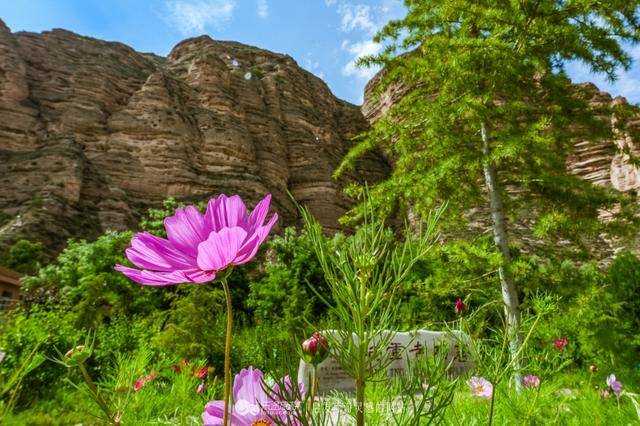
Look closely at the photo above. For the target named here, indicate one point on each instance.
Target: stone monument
(402, 349)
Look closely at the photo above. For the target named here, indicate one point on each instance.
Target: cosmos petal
(153, 278)
(214, 412)
(220, 249)
(225, 212)
(150, 252)
(259, 213)
(186, 229)
(250, 247)
(247, 386)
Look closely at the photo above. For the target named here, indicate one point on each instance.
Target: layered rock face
(604, 163)
(92, 133)
(611, 164)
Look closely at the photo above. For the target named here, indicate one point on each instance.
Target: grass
(570, 398)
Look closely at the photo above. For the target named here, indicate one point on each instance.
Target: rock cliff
(610, 163)
(92, 133)
(606, 163)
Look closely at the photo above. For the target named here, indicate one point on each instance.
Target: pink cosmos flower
(605, 394)
(480, 387)
(199, 245)
(560, 343)
(531, 381)
(250, 403)
(615, 385)
(201, 388)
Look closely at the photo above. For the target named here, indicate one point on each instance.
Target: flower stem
(493, 398)
(314, 389)
(96, 394)
(227, 355)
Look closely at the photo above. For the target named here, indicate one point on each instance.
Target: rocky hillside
(601, 163)
(605, 163)
(92, 133)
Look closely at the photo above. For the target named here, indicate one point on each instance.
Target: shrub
(84, 282)
(286, 287)
(194, 325)
(24, 256)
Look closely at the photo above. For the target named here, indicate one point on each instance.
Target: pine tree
(487, 105)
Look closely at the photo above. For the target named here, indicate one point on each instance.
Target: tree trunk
(509, 293)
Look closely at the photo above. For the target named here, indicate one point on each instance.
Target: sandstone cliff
(611, 164)
(92, 133)
(605, 163)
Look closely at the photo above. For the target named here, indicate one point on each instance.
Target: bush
(195, 325)
(454, 270)
(21, 331)
(56, 331)
(84, 282)
(598, 312)
(24, 256)
(286, 287)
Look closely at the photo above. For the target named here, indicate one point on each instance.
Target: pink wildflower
(480, 387)
(144, 380)
(560, 343)
(199, 246)
(250, 403)
(531, 381)
(614, 384)
(202, 373)
(138, 384)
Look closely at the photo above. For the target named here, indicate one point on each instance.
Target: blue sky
(323, 36)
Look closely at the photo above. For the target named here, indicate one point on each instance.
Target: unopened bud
(460, 307)
(315, 348)
(310, 346)
(78, 354)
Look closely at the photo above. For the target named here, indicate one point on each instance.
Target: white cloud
(193, 16)
(357, 50)
(357, 17)
(365, 20)
(263, 9)
(368, 19)
(330, 3)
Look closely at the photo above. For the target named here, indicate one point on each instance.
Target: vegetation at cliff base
(523, 277)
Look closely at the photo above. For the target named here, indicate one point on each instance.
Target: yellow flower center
(262, 422)
(480, 388)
